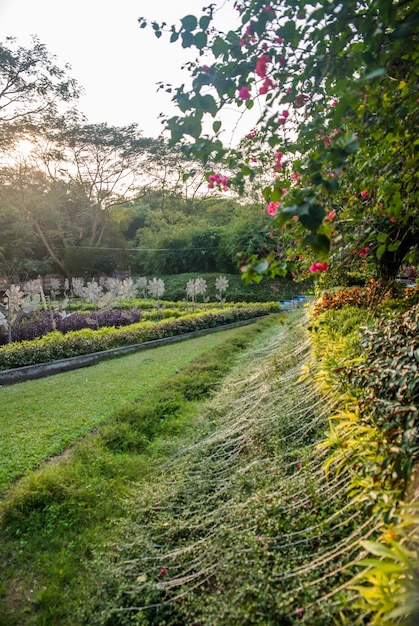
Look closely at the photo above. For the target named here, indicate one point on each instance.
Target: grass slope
(41, 418)
(53, 520)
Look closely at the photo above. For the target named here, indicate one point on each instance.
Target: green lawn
(40, 418)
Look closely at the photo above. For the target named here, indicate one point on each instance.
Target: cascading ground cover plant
(53, 519)
(241, 526)
(269, 520)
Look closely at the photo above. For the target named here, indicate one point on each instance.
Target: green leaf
(183, 102)
(394, 246)
(380, 251)
(320, 244)
(374, 74)
(274, 141)
(351, 145)
(316, 178)
(200, 40)
(192, 126)
(189, 22)
(266, 193)
(378, 549)
(219, 47)
(261, 267)
(246, 170)
(208, 104)
(204, 22)
(288, 32)
(174, 37)
(187, 39)
(313, 218)
(216, 126)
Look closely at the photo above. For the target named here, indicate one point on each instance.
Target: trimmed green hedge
(56, 346)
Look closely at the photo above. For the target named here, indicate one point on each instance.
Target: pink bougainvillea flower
(364, 193)
(217, 179)
(244, 93)
(163, 571)
(298, 465)
(279, 40)
(364, 251)
(331, 216)
(272, 208)
(282, 60)
(252, 133)
(318, 267)
(243, 41)
(278, 162)
(284, 117)
(392, 219)
(267, 86)
(334, 102)
(261, 65)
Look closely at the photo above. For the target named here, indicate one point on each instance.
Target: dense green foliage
(336, 142)
(266, 291)
(389, 393)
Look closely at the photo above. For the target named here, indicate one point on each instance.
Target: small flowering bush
(365, 297)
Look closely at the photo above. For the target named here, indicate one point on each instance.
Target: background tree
(33, 89)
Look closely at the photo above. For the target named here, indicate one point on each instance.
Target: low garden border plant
(56, 345)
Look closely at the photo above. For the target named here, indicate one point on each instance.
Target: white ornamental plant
(77, 286)
(13, 301)
(201, 288)
(191, 292)
(141, 285)
(221, 285)
(55, 288)
(156, 289)
(128, 289)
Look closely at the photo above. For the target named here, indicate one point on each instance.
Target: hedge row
(56, 345)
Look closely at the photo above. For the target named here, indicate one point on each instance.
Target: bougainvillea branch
(337, 87)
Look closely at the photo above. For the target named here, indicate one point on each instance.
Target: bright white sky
(117, 63)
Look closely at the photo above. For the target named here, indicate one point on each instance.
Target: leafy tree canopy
(337, 86)
(33, 89)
